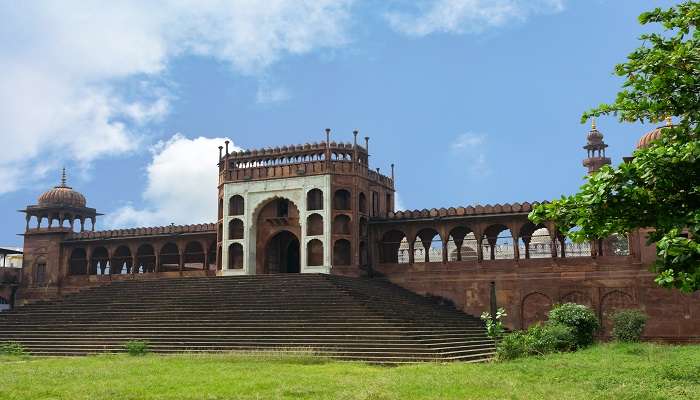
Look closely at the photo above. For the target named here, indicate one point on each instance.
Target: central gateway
(298, 209)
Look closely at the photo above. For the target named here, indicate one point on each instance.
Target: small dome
(594, 136)
(649, 137)
(62, 195)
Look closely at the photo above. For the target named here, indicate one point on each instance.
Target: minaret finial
(63, 177)
(593, 124)
(669, 121)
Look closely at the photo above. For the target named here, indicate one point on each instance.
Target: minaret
(596, 150)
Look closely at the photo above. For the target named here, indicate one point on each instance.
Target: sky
(474, 101)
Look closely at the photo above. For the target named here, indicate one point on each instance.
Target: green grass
(634, 371)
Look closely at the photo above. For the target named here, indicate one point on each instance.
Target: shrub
(512, 346)
(537, 340)
(12, 349)
(550, 338)
(581, 319)
(136, 347)
(628, 325)
(494, 326)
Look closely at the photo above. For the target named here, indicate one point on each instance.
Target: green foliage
(660, 187)
(494, 326)
(137, 347)
(539, 339)
(12, 349)
(581, 319)
(628, 325)
(513, 345)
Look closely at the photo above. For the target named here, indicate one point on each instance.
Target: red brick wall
(528, 288)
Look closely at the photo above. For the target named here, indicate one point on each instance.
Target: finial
(63, 177)
(593, 125)
(669, 121)
(220, 149)
(226, 142)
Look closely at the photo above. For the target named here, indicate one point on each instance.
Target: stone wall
(528, 288)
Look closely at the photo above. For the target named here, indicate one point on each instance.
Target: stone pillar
(516, 246)
(134, 263)
(444, 252)
(411, 252)
(479, 248)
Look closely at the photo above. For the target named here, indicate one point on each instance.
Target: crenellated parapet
(488, 209)
(143, 231)
(326, 157)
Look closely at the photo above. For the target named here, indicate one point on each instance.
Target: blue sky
(475, 101)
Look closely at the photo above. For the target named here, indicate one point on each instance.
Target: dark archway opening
(282, 254)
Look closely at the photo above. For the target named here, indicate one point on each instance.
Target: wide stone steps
(344, 318)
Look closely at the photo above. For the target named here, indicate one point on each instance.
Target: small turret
(595, 146)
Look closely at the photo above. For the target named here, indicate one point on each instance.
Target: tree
(659, 188)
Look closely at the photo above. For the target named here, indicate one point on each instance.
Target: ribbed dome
(594, 137)
(62, 195)
(649, 137)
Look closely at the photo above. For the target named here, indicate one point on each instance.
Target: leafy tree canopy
(659, 188)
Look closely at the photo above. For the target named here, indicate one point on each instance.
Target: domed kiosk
(63, 204)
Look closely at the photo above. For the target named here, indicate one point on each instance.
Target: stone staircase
(345, 318)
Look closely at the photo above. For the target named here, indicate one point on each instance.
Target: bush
(628, 325)
(136, 347)
(12, 349)
(512, 346)
(537, 340)
(550, 338)
(581, 319)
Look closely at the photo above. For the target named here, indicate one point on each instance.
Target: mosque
(320, 208)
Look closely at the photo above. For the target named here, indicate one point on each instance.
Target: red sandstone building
(320, 208)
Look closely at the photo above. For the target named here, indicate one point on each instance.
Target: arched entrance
(282, 254)
(277, 233)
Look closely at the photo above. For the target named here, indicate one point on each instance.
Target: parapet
(145, 231)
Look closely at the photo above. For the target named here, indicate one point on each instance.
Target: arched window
(458, 248)
(221, 208)
(535, 241)
(235, 205)
(314, 253)
(498, 243)
(341, 199)
(169, 258)
(100, 257)
(78, 262)
(194, 256)
(394, 248)
(427, 246)
(314, 225)
(121, 261)
(145, 259)
(314, 199)
(362, 203)
(235, 229)
(341, 252)
(235, 256)
(341, 225)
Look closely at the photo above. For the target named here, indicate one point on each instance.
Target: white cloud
(472, 146)
(181, 188)
(82, 80)
(467, 16)
(267, 94)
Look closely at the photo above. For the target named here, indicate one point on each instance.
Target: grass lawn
(640, 371)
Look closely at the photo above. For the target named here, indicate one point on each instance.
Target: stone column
(479, 248)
